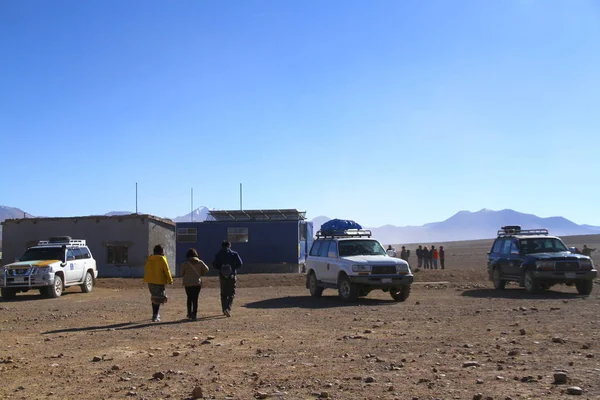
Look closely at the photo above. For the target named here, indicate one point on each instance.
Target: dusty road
(282, 344)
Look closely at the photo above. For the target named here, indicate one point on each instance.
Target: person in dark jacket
(419, 256)
(426, 257)
(227, 262)
(442, 254)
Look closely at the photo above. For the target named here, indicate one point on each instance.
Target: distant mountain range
(464, 225)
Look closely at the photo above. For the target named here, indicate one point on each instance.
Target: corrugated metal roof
(257, 215)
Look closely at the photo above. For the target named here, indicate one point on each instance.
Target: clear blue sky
(386, 112)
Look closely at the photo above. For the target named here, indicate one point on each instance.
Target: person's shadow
(131, 325)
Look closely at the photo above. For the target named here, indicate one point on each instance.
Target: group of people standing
(157, 275)
(426, 258)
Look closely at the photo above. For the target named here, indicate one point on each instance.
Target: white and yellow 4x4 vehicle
(51, 266)
(355, 264)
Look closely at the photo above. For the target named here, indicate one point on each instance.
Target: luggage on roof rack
(339, 225)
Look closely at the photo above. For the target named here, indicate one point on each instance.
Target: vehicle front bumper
(382, 281)
(566, 276)
(27, 281)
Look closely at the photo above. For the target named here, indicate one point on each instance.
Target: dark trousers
(192, 293)
(442, 262)
(227, 292)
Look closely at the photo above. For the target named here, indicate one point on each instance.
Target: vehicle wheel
(8, 294)
(363, 293)
(88, 283)
(313, 286)
(401, 293)
(499, 284)
(348, 291)
(56, 290)
(584, 287)
(532, 285)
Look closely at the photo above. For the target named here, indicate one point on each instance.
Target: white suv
(51, 266)
(354, 263)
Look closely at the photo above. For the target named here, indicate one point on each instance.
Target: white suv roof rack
(61, 241)
(345, 233)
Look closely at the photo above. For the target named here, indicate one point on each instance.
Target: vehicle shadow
(314, 303)
(33, 296)
(131, 325)
(519, 294)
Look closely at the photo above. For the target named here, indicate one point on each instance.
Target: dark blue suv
(537, 261)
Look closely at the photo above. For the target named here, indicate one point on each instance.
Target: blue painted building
(267, 240)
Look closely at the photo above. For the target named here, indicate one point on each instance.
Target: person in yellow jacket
(157, 274)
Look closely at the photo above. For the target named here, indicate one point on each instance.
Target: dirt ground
(282, 344)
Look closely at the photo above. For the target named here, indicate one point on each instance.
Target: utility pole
(136, 199)
(241, 197)
(192, 213)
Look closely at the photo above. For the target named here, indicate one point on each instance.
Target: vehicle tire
(401, 293)
(584, 287)
(532, 285)
(313, 285)
(363, 293)
(499, 284)
(56, 289)
(348, 290)
(88, 283)
(8, 294)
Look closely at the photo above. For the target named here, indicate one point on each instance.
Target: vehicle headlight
(402, 269)
(586, 264)
(361, 268)
(544, 264)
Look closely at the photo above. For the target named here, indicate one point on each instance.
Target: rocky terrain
(454, 338)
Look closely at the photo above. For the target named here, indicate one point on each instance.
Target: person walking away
(434, 257)
(442, 257)
(426, 257)
(227, 262)
(403, 253)
(586, 251)
(157, 275)
(192, 271)
(391, 251)
(419, 256)
(407, 254)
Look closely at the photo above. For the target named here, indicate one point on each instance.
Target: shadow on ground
(130, 325)
(519, 294)
(32, 295)
(314, 303)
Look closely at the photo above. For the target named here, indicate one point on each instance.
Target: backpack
(226, 270)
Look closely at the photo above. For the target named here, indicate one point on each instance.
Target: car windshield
(542, 245)
(360, 248)
(43, 253)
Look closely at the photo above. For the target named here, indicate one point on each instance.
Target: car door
(513, 263)
(332, 263)
(70, 268)
(324, 262)
(313, 262)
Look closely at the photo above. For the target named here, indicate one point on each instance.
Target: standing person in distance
(419, 256)
(227, 262)
(442, 257)
(404, 254)
(192, 271)
(391, 251)
(157, 275)
(426, 258)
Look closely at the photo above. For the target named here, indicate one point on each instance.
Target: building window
(237, 235)
(116, 255)
(187, 235)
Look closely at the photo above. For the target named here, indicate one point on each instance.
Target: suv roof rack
(512, 230)
(66, 240)
(345, 233)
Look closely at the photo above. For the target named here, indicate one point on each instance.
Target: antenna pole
(136, 199)
(241, 197)
(192, 213)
